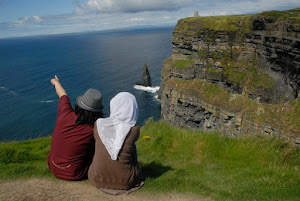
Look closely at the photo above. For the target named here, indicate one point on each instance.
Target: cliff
(236, 74)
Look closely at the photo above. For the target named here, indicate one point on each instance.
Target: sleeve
(64, 106)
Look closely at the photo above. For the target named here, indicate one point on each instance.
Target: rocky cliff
(236, 74)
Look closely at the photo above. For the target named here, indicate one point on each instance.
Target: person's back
(72, 145)
(115, 169)
(122, 173)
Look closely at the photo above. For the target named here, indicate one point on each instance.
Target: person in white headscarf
(115, 169)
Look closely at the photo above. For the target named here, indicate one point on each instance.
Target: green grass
(181, 64)
(247, 75)
(210, 164)
(185, 161)
(24, 159)
(292, 15)
(230, 23)
(233, 23)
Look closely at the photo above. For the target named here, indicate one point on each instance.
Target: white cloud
(29, 20)
(136, 19)
(130, 5)
(233, 7)
(36, 19)
(98, 15)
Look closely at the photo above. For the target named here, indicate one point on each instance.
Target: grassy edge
(185, 161)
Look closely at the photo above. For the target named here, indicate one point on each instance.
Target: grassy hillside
(176, 160)
(233, 23)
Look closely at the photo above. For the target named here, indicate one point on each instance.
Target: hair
(86, 117)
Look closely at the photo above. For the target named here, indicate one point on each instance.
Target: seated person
(115, 169)
(72, 145)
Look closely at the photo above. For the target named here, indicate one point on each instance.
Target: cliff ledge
(237, 74)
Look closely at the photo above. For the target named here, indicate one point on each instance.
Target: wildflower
(146, 137)
(229, 191)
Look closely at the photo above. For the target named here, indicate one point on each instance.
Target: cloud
(234, 7)
(97, 15)
(136, 19)
(130, 6)
(29, 20)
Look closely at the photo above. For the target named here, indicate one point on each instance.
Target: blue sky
(35, 17)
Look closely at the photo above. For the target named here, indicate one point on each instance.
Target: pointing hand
(55, 80)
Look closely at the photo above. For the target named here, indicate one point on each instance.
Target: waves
(8, 91)
(11, 92)
(148, 89)
(100, 61)
(153, 90)
(47, 101)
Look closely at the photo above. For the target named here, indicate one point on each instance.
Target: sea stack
(146, 78)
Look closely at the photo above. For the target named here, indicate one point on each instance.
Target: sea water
(108, 61)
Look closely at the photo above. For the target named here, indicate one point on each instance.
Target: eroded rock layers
(236, 74)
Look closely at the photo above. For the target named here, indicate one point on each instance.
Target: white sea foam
(47, 101)
(153, 90)
(148, 89)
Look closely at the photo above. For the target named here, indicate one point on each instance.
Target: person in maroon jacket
(72, 145)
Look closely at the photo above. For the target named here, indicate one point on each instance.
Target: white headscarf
(114, 129)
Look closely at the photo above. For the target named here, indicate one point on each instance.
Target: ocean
(111, 62)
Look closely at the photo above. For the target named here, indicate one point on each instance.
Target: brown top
(122, 173)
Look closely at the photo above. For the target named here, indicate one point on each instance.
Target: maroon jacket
(72, 145)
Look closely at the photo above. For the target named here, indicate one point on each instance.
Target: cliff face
(252, 62)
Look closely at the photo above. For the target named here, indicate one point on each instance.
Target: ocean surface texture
(110, 62)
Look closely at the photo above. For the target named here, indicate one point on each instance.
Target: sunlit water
(110, 62)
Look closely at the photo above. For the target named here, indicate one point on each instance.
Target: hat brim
(80, 104)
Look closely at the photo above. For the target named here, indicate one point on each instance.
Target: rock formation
(236, 74)
(146, 77)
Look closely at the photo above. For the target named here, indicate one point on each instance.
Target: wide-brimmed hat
(91, 100)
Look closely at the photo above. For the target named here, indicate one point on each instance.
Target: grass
(182, 64)
(210, 164)
(185, 161)
(292, 15)
(233, 23)
(247, 75)
(24, 159)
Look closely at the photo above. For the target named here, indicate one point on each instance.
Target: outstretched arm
(59, 89)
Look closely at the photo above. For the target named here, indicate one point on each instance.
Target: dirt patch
(50, 189)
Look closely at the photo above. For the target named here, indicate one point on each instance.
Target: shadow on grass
(153, 170)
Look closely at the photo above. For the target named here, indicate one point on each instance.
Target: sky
(43, 17)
